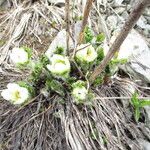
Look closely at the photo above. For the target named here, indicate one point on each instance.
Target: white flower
(15, 94)
(19, 56)
(80, 93)
(86, 52)
(59, 65)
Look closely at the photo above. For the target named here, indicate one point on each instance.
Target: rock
(138, 66)
(148, 19)
(136, 50)
(132, 48)
(57, 2)
(76, 30)
(142, 23)
(118, 2)
(112, 22)
(60, 40)
(145, 144)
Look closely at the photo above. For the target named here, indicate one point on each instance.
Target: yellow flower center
(89, 52)
(16, 95)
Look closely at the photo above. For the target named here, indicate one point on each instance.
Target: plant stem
(67, 17)
(84, 22)
(129, 24)
(85, 19)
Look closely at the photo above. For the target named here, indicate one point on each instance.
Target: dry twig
(67, 10)
(85, 19)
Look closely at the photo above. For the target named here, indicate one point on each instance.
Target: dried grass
(46, 123)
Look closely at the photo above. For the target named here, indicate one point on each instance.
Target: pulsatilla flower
(79, 91)
(19, 56)
(86, 53)
(59, 65)
(15, 93)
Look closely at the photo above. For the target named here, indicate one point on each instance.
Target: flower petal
(19, 55)
(12, 87)
(6, 94)
(59, 65)
(86, 52)
(80, 93)
(24, 93)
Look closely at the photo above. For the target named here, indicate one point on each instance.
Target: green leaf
(79, 83)
(134, 100)
(94, 134)
(28, 50)
(59, 50)
(23, 66)
(71, 80)
(100, 37)
(27, 86)
(77, 18)
(61, 101)
(89, 99)
(55, 86)
(136, 104)
(137, 114)
(36, 72)
(2, 42)
(88, 35)
(118, 61)
(100, 52)
(144, 103)
(98, 81)
(105, 140)
(44, 60)
(107, 70)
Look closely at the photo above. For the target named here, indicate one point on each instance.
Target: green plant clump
(60, 74)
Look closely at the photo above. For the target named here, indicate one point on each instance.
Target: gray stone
(148, 19)
(118, 2)
(136, 50)
(60, 40)
(112, 22)
(145, 144)
(142, 23)
(57, 1)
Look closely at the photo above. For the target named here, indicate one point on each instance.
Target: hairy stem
(129, 24)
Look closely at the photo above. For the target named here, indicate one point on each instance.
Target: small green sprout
(59, 50)
(88, 35)
(99, 80)
(138, 104)
(100, 37)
